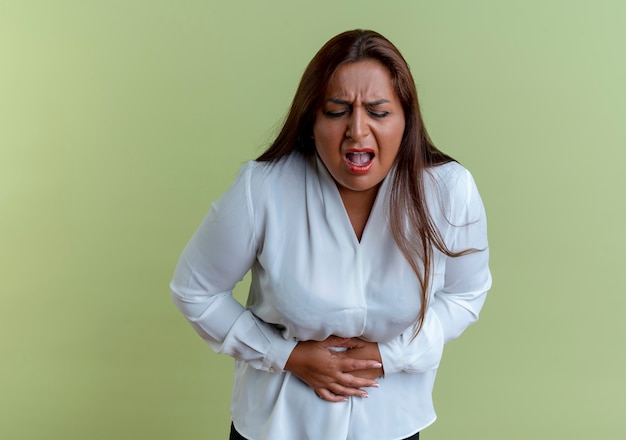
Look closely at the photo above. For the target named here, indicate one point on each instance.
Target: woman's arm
(218, 255)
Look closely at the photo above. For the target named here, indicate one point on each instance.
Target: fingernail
(377, 365)
(364, 396)
(375, 385)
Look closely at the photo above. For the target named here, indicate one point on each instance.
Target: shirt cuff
(391, 354)
(278, 354)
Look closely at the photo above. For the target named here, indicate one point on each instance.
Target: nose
(358, 127)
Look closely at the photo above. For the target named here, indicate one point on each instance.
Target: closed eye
(335, 114)
(378, 115)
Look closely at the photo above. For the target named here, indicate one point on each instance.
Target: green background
(120, 121)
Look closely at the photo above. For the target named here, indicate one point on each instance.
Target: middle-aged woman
(368, 250)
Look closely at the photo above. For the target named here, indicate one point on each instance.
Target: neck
(358, 205)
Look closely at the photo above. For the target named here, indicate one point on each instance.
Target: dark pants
(234, 435)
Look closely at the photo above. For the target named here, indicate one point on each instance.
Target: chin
(359, 186)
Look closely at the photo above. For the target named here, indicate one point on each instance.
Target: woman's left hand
(360, 349)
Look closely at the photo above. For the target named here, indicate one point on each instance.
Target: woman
(368, 251)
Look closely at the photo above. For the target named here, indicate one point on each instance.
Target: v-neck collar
(337, 213)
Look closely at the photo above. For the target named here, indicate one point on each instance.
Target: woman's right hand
(328, 371)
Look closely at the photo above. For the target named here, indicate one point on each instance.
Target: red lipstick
(359, 161)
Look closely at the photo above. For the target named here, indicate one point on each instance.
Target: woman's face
(359, 127)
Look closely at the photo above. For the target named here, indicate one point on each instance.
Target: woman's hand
(335, 375)
(366, 350)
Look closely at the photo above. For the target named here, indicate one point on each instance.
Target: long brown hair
(411, 224)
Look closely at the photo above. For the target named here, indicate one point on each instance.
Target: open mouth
(360, 158)
(359, 162)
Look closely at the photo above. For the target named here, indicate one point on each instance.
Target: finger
(326, 394)
(372, 374)
(348, 364)
(352, 381)
(341, 390)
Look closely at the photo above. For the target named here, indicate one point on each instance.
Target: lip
(359, 150)
(359, 169)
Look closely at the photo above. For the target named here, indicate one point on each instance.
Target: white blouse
(312, 278)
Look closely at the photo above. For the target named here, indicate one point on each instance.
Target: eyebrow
(370, 104)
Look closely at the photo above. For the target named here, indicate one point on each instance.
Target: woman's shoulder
(288, 167)
(447, 170)
(450, 175)
(452, 185)
(263, 179)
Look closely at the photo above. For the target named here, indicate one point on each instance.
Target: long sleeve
(218, 255)
(458, 301)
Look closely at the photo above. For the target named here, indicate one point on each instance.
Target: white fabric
(312, 278)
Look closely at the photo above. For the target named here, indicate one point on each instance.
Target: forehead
(367, 78)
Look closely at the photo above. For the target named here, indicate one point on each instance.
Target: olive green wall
(121, 120)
